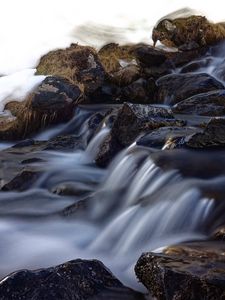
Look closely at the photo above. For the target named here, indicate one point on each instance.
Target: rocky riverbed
(118, 154)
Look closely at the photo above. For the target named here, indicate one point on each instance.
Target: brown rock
(212, 137)
(52, 102)
(79, 64)
(112, 54)
(188, 33)
(188, 272)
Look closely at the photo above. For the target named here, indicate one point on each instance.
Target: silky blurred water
(130, 207)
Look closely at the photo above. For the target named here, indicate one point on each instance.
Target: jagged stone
(187, 272)
(73, 280)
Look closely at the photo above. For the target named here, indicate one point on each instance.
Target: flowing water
(130, 207)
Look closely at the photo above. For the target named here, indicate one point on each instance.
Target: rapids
(132, 206)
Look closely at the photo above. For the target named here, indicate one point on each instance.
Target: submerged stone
(73, 280)
(188, 272)
(22, 181)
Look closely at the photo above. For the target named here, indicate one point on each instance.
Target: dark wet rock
(206, 104)
(192, 163)
(196, 65)
(219, 234)
(23, 181)
(213, 136)
(64, 143)
(94, 125)
(187, 272)
(191, 67)
(79, 64)
(74, 280)
(78, 209)
(24, 143)
(159, 138)
(188, 33)
(180, 58)
(126, 75)
(71, 189)
(112, 54)
(140, 91)
(157, 72)
(157, 62)
(174, 88)
(33, 160)
(149, 56)
(108, 149)
(107, 93)
(59, 143)
(55, 97)
(133, 120)
(52, 102)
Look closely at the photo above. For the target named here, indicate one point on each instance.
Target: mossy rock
(188, 33)
(79, 64)
(111, 54)
(52, 102)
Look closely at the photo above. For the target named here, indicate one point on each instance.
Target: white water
(155, 209)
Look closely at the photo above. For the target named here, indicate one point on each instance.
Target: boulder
(22, 181)
(212, 137)
(174, 88)
(73, 280)
(188, 33)
(52, 102)
(78, 64)
(188, 272)
(157, 62)
(133, 120)
(148, 56)
(140, 91)
(206, 104)
(126, 75)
